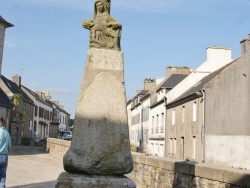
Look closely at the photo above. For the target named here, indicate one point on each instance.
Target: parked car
(67, 135)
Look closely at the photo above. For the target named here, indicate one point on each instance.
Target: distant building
(157, 118)
(60, 121)
(6, 107)
(146, 134)
(42, 116)
(21, 118)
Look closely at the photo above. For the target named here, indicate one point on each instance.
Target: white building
(216, 58)
(158, 111)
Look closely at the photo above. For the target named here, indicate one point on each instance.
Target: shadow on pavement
(49, 184)
(27, 150)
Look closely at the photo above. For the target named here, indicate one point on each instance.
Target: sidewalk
(31, 167)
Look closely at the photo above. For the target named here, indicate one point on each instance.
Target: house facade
(209, 122)
(6, 108)
(42, 113)
(146, 112)
(227, 108)
(21, 118)
(157, 117)
(185, 108)
(134, 108)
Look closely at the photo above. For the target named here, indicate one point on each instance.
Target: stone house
(185, 122)
(227, 108)
(6, 107)
(21, 118)
(184, 108)
(139, 111)
(211, 118)
(158, 112)
(42, 113)
(134, 110)
(60, 118)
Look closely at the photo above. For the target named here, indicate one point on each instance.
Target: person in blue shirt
(5, 147)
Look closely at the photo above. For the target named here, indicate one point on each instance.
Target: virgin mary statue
(105, 31)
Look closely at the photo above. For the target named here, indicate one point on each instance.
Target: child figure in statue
(105, 31)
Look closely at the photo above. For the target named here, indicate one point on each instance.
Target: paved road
(31, 167)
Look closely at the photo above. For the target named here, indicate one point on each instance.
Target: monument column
(100, 154)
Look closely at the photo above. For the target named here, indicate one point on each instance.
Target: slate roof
(54, 105)
(14, 88)
(4, 100)
(192, 94)
(172, 81)
(36, 96)
(5, 23)
(169, 84)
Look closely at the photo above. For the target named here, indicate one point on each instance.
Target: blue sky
(48, 47)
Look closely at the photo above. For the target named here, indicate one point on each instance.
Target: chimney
(148, 83)
(245, 45)
(17, 79)
(56, 102)
(177, 70)
(215, 54)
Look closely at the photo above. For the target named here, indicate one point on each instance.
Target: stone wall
(159, 172)
(57, 147)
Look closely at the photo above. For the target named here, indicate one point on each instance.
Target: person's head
(2, 121)
(100, 6)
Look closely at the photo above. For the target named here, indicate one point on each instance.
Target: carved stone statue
(105, 31)
(99, 153)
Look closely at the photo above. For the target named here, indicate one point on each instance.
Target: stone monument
(100, 154)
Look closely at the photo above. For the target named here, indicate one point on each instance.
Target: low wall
(159, 172)
(57, 147)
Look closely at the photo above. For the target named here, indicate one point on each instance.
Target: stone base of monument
(67, 180)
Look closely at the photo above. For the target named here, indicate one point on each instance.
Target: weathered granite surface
(100, 143)
(67, 180)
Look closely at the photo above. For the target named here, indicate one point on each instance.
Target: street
(31, 167)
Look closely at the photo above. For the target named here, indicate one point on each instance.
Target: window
(35, 124)
(161, 148)
(173, 116)
(183, 147)
(174, 146)
(30, 125)
(162, 123)
(170, 147)
(152, 127)
(194, 146)
(194, 111)
(183, 114)
(157, 124)
(152, 148)
(35, 111)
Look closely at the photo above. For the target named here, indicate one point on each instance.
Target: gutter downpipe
(203, 125)
(165, 127)
(141, 122)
